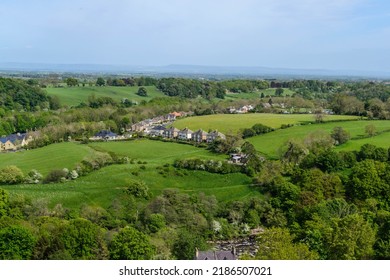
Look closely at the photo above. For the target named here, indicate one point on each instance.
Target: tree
(130, 244)
(16, 243)
(72, 82)
(100, 82)
(142, 91)
(11, 175)
(84, 240)
(186, 245)
(340, 135)
(277, 244)
(279, 91)
(370, 130)
(4, 200)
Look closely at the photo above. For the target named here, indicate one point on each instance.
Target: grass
(72, 96)
(234, 122)
(102, 187)
(270, 143)
(55, 156)
(380, 140)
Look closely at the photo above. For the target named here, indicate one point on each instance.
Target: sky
(298, 34)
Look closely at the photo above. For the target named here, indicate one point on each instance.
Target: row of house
(186, 134)
(14, 142)
(147, 124)
(242, 110)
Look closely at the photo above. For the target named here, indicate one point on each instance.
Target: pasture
(73, 96)
(102, 187)
(270, 143)
(55, 156)
(234, 122)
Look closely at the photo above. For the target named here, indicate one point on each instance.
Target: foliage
(16, 243)
(142, 91)
(277, 244)
(138, 189)
(340, 135)
(130, 244)
(56, 176)
(11, 175)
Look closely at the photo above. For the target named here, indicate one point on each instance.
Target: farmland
(270, 143)
(101, 187)
(234, 122)
(73, 96)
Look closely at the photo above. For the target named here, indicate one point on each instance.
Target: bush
(11, 175)
(56, 176)
(33, 177)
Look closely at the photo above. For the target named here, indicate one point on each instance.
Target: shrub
(33, 177)
(11, 175)
(55, 176)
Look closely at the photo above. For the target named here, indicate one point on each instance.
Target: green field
(55, 156)
(270, 143)
(73, 96)
(381, 140)
(234, 122)
(257, 95)
(101, 187)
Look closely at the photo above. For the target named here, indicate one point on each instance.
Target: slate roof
(105, 133)
(13, 137)
(215, 255)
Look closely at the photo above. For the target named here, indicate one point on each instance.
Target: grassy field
(270, 143)
(156, 152)
(73, 96)
(55, 156)
(257, 95)
(101, 187)
(381, 140)
(234, 122)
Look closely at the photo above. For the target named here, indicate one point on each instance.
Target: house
(13, 142)
(216, 255)
(238, 158)
(157, 130)
(185, 134)
(215, 135)
(105, 135)
(199, 136)
(171, 132)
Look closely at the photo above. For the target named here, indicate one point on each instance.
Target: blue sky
(319, 34)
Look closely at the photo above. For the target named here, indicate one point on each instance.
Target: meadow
(270, 143)
(73, 96)
(55, 156)
(234, 122)
(102, 187)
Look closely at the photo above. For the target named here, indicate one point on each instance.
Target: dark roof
(13, 137)
(105, 133)
(158, 127)
(215, 255)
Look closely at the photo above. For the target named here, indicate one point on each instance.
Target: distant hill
(190, 70)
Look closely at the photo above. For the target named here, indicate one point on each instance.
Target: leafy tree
(100, 82)
(277, 244)
(84, 240)
(11, 175)
(16, 243)
(130, 244)
(71, 82)
(370, 130)
(54, 102)
(340, 135)
(4, 201)
(279, 91)
(138, 189)
(142, 91)
(55, 176)
(186, 245)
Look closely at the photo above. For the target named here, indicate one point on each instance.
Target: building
(157, 130)
(171, 132)
(13, 142)
(105, 135)
(216, 255)
(212, 136)
(185, 134)
(199, 136)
